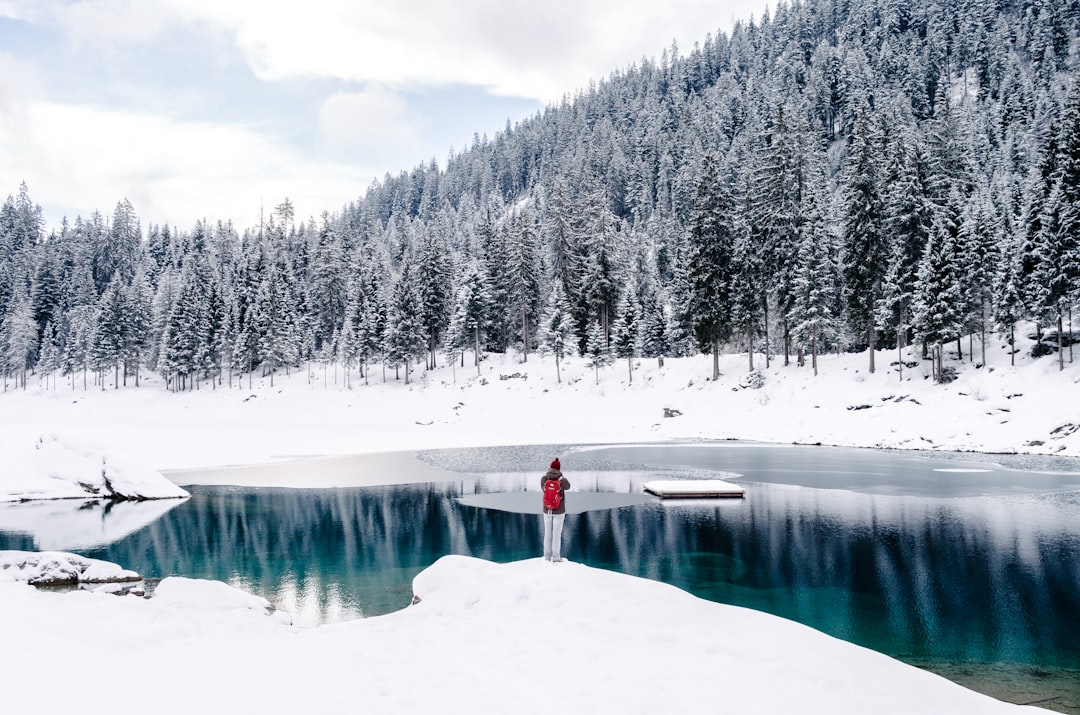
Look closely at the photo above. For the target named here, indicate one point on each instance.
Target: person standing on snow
(553, 485)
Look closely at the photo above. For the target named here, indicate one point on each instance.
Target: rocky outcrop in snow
(54, 568)
(51, 468)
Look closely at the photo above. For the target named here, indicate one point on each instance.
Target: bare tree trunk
(900, 352)
(813, 349)
(1061, 346)
(750, 349)
(716, 359)
(870, 336)
(982, 331)
(1012, 344)
(524, 336)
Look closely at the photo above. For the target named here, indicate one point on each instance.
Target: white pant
(553, 536)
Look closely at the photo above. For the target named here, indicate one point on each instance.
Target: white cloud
(13, 9)
(98, 22)
(512, 47)
(84, 158)
(375, 123)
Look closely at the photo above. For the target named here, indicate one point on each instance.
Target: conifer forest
(836, 175)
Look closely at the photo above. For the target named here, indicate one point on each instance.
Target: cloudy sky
(215, 108)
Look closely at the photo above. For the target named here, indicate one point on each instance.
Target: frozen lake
(954, 563)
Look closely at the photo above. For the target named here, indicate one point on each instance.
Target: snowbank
(53, 467)
(482, 638)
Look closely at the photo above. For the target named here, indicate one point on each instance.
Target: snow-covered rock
(42, 568)
(51, 467)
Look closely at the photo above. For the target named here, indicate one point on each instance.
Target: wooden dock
(694, 489)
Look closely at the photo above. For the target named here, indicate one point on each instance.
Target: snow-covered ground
(524, 637)
(486, 637)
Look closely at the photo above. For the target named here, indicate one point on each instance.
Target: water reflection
(66, 524)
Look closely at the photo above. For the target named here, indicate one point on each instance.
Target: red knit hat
(555, 464)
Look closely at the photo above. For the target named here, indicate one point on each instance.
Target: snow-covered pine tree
(472, 304)
(864, 252)
(49, 355)
(18, 339)
(907, 216)
(433, 278)
(405, 338)
(979, 240)
(112, 329)
(275, 323)
(811, 313)
(1008, 299)
(596, 349)
(710, 270)
(938, 307)
(628, 327)
(774, 210)
(599, 280)
(524, 269)
(557, 330)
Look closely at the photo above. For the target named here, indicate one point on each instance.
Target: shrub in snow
(753, 380)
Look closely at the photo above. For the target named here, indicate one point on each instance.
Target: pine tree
(405, 335)
(1009, 301)
(627, 328)
(49, 355)
(939, 293)
(275, 321)
(19, 339)
(557, 331)
(811, 312)
(599, 280)
(471, 306)
(79, 342)
(524, 278)
(433, 284)
(112, 329)
(596, 349)
(979, 250)
(711, 246)
(864, 247)
(775, 201)
(908, 213)
(747, 298)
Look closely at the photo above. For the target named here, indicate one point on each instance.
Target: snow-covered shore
(483, 637)
(1029, 408)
